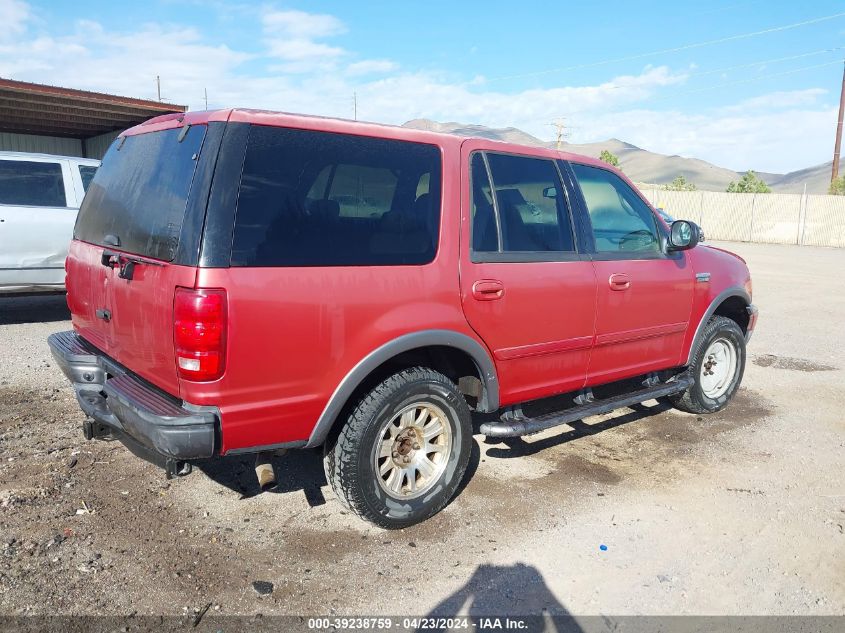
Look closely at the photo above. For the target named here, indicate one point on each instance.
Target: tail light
(199, 333)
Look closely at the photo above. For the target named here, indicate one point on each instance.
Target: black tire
(694, 399)
(349, 459)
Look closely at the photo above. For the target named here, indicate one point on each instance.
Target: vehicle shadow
(518, 447)
(300, 469)
(518, 592)
(42, 308)
(297, 469)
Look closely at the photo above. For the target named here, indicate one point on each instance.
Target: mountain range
(643, 166)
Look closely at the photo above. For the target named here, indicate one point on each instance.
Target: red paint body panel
(295, 333)
(140, 332)
(727, 270)
(641, 328)
(541, 329)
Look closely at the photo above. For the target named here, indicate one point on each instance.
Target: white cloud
(302, 25)
(775, 141)
(371, 67)
(301, 70)
(780, 99)
(16, 15)
(292, 37)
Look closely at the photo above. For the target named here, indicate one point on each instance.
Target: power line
(753, 79)
(728, 84)
(716, 86)
(766, 61)
(676, 49)
(737, 67)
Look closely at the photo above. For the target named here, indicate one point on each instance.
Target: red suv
(245, 281)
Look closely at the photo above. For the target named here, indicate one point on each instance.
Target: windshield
(139, 193)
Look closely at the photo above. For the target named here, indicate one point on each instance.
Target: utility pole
(205, 93)
(158, 87)
(562, 130)
(355, 106)
(837, 146)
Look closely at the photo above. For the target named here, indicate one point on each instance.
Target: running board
(515, 426)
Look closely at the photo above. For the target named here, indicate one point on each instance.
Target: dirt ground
(742, 512)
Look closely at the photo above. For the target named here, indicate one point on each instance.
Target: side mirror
(550, 192)
(683, 235)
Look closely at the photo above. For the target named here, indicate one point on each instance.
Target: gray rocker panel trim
(714, 305)
(489, 400)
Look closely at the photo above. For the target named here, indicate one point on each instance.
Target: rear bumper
(152, 424)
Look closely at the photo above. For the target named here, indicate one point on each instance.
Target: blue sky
(766, 101)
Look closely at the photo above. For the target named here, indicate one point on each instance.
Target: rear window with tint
(31, 183)
(322, 199)
(140, 192)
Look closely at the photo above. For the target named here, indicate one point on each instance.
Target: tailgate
(122, 267)
(130, 320)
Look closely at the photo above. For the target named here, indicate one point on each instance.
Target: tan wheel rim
(413, 450)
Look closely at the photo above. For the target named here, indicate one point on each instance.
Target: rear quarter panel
(295, 333)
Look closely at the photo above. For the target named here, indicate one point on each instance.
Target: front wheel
(403, 451)
(716, 368)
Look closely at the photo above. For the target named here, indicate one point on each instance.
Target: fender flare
(711, 309)
(489, 400)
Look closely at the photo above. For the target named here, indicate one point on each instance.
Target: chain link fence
(767, 218)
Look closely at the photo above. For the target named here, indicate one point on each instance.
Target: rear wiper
(127, 264)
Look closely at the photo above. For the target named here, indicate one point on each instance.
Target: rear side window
(622, 222)
(140, 192)
(32, 183)
(86, 172)
(323, 199)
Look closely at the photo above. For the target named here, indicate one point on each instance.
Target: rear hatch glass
(134, 208)
(140, 192)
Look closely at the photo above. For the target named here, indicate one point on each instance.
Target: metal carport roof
(28, 108)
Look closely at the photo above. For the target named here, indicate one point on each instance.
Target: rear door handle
(488, 289)
(619, 281)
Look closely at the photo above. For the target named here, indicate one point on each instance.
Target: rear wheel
(717, 367)
(403, 451)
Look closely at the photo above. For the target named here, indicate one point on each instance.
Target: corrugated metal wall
(40, 144)
(96, 146)
(769, 218)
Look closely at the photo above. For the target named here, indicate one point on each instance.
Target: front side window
(24, 182)
(312, 198)
(622, 222)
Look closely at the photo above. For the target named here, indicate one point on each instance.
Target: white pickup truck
(39, 199)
